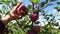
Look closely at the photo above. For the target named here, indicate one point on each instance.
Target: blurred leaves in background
(24, 24)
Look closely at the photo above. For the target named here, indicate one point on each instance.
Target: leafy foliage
(23, 25)
(35, 1)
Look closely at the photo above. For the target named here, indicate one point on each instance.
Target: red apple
(23, 8)
(35, 12)
(22, 13)
(34, 17)
(36, 29)
(30, 32)
(16, 7)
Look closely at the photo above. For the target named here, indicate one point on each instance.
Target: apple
(22, 10)
(22, 13)
(30, 32)
(35, 12)
(34, 17)
(36, 29)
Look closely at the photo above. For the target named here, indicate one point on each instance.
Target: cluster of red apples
(34, 18)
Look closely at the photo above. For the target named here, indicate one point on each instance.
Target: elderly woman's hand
(19, 11)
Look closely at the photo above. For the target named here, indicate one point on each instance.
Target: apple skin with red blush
(34, 17)
(35, 12)
(22, 10)
(30, 32)
(36, 29)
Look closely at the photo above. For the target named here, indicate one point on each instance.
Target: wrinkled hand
(19, 11)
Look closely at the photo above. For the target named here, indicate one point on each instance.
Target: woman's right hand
(19, 11)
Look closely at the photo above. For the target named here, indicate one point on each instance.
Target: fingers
(18, 5)
(15, 8)
(23, 13)
(22, 10)
(21, 7)
(19, 11)
(26, 11)
(18, 16)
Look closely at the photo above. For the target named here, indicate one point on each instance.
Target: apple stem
(32, 10)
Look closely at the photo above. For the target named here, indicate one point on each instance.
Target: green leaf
(58, 3)
(1, 3)
(4, 1)
(29, 7)
(0, 11)
(37, 22)
(57, 24)
(42, 4)
(47, 1)
(35, 1)
(47, 27)
(52, 0)
(58, 9)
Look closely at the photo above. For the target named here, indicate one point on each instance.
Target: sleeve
(2, 26)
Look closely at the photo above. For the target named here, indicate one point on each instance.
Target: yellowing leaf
(35, 1)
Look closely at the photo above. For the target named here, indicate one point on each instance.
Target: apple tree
(30, 23)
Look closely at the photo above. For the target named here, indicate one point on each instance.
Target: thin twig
(32, 6)
(32, 10)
